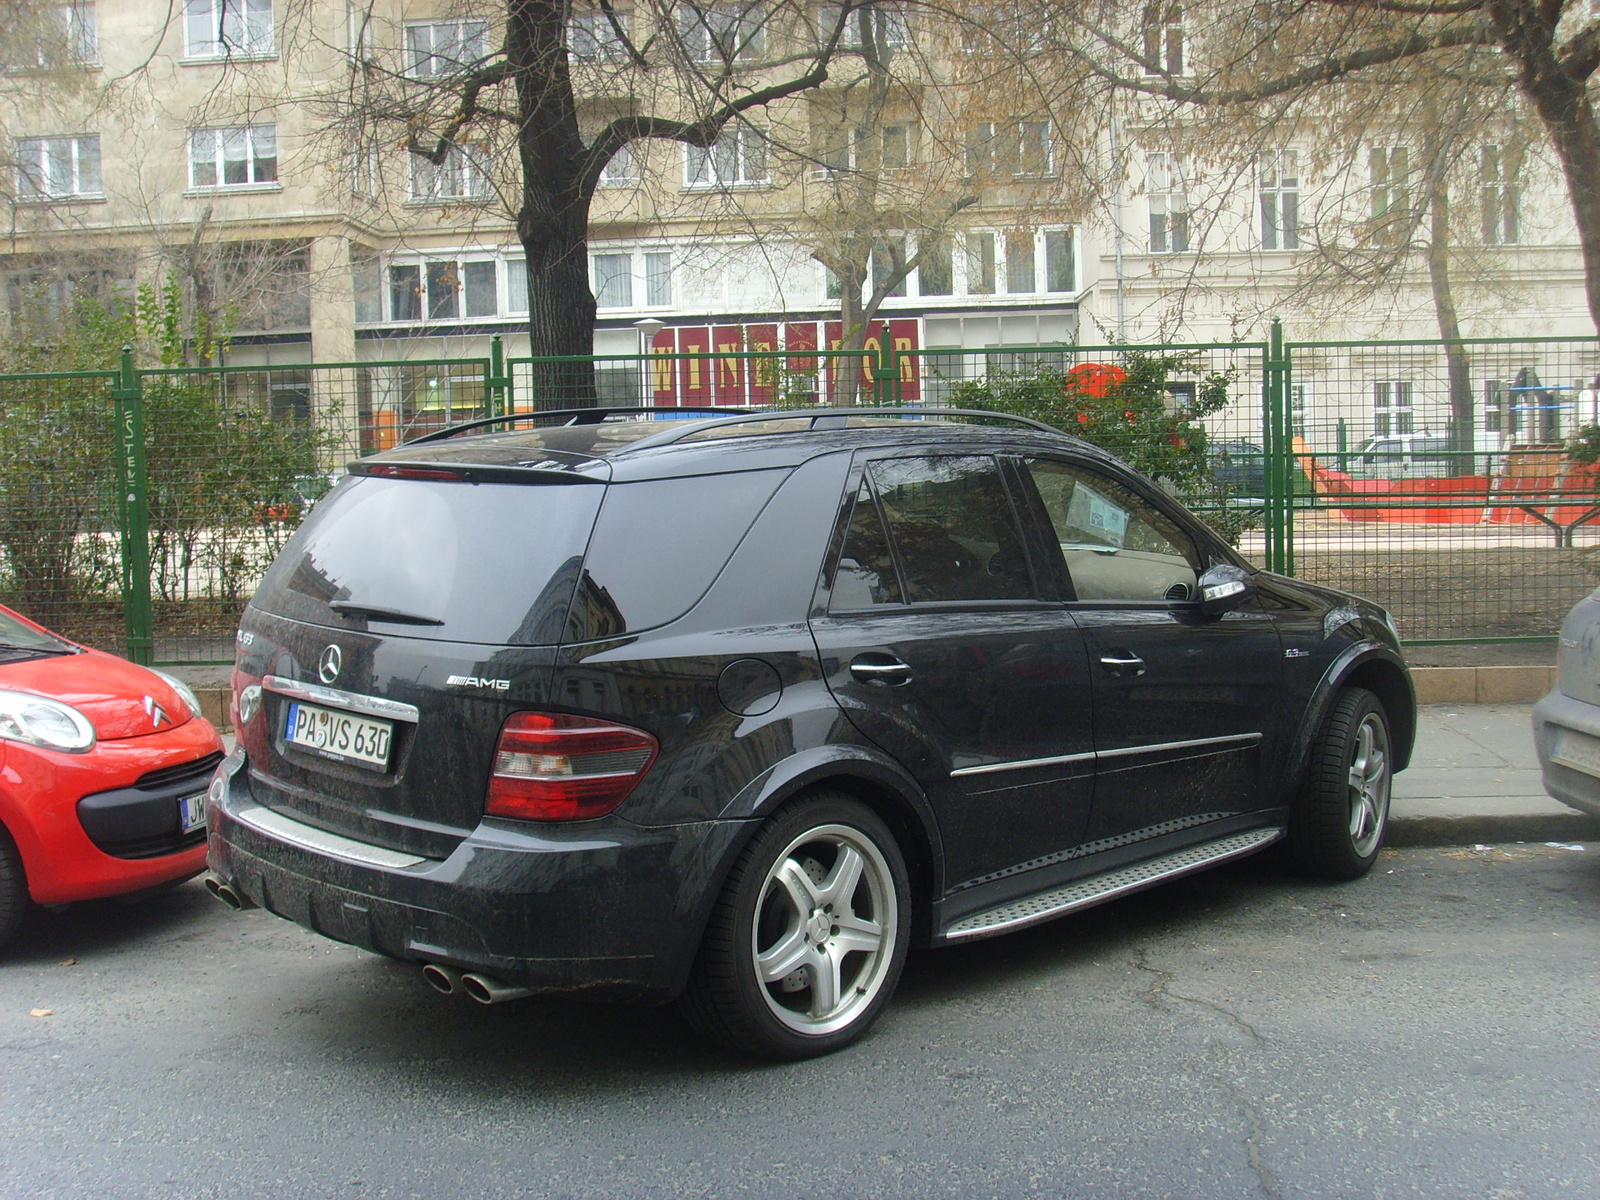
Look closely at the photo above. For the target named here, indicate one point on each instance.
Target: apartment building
(220, 153)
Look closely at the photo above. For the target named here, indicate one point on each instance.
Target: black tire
(13, 888)
(1337, 823)
(835, 988)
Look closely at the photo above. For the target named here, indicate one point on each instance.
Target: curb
(214, 703)
(1482, 685)
(1488, 829)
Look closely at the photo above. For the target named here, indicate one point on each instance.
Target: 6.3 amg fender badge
(329, 664)
(496, 685)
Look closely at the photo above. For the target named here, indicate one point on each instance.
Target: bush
(1128, 408)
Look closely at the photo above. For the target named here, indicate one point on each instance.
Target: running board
(1058, 902)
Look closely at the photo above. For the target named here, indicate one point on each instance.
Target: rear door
(943, 649)
(1186, 706)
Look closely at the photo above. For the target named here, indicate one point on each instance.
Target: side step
(1098, 888)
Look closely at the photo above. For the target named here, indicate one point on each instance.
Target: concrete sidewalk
(1474, 777)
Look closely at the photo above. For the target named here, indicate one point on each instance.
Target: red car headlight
(37, 721)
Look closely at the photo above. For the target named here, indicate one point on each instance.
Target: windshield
(15, 635)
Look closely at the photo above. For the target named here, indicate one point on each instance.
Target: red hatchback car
(104, 767)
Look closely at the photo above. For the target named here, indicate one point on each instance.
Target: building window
(591, 37)
(891, 30)
(1388, 168)
(240, 156)
(1500, 195)
(1167, 192)
(227, 28)
(980, 263)
(613, 280)
(516, 284)
(1021, 277)
(884, 256)
(658, 278)
(935, 273)
(1019, 148)
(460, 177)
(55, 167)
(68, 37)
(738, 157)
(1060, 261)
(619, 170)
(1495, 408)
(444, 48)
(1163, 38)
(446, 289)
(722, 32)
(1280, 200)
(1391, 408)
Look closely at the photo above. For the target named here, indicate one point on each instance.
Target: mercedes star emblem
(330, 662)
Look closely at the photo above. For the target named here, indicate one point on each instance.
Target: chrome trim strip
(1242, 739)
(313, 693)
(1021, 764)
(309, 837)
(1091, 891)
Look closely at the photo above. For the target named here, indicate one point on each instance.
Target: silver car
(1566, 723)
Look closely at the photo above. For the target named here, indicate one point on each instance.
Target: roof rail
(834, 418)
(575, 416)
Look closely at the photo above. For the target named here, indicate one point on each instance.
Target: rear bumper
(1573, 787)
(603, 907)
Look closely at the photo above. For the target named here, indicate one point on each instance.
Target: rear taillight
(555, 767)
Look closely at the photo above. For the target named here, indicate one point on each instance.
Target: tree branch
(634, 53)
(472, 86)
(1580, 58)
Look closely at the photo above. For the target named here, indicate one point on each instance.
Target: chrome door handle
(1121, 662)
(890, 671)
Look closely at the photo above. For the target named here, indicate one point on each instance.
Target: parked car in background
(1566, 723)
(734, 710)
(1404, 456)
(103, 774)
(1240, 467)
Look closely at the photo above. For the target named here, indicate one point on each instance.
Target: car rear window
(488, 562)
(659, 545)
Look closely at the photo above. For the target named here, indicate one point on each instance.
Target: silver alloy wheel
(1369, 785)
(825, 929)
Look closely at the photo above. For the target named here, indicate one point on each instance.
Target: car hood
(110, 691)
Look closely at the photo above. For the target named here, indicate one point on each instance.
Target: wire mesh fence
(1434, 478)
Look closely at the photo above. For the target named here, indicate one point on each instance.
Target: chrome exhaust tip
(486, 989)
(225, 891)
(442, 979)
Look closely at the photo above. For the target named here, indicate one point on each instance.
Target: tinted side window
(953, 528)
(659, 544)
(865, 575)
(1117, 545)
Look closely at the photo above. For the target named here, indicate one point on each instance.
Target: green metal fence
(139, 507)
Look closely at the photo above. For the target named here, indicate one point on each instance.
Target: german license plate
(1578, 750)
(192, 812)
(339, 735)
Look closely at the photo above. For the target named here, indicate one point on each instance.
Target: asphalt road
(1429, 1031)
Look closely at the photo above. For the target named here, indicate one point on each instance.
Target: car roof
(635, 444)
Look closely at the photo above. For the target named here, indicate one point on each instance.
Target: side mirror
(1224, 588)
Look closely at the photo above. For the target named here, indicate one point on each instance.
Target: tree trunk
(553, 217)
(1457, 365)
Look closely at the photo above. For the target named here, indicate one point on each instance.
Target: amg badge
(498, 685)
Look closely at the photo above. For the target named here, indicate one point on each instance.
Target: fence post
(1278, 477)
(496, 385)
(886, 373)
(1290, 462)
(133, 512)
(1269, 472)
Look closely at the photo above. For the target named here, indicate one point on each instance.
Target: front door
(1186, 706)
(939, 646)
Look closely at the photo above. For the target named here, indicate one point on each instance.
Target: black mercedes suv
(735, 709)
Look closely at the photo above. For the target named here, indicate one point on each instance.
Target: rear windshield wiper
(375, 612)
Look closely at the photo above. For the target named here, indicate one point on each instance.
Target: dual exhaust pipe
(449, 981)
(227, 893)
(485, 989)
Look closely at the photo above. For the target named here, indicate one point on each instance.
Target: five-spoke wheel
(1338, 818)
(809, 936)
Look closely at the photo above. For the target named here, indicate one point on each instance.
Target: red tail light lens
(555, 767)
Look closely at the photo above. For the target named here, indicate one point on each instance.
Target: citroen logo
(330, 662)
(157, 713)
